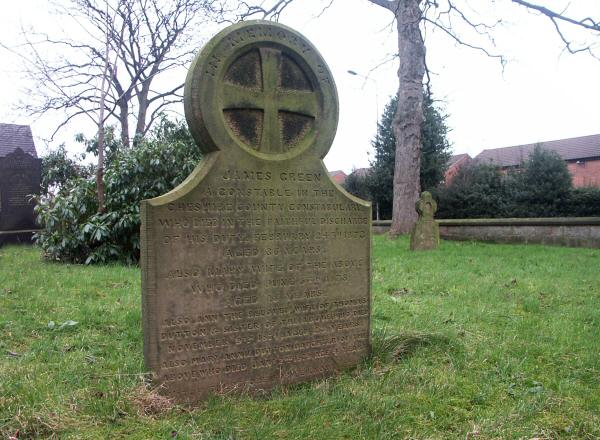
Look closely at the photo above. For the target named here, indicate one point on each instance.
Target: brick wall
(453, 169)
(585, 173)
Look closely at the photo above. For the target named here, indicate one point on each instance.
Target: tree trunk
(124, 121)
(140, 128)
(100, 169)
(123, 103)
(104, 86)
(409, 117)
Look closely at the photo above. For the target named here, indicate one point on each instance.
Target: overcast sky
(542, 93)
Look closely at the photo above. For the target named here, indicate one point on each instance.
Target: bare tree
(148, 38)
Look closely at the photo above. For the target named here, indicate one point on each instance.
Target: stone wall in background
(574, 232)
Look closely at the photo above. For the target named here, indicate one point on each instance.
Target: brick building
(582, 155)
(455, 163)
(338, 176)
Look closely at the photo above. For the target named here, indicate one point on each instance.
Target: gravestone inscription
(20, 177)
(256, 269)
(426, 232)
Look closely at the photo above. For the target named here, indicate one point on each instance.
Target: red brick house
(582, 155)
(455, 163)
(338, 176)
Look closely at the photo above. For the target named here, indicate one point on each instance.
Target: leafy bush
(73, 229)
(583, 202)
(58, 169)
(477, 191)
(357, 185)
(541, 187)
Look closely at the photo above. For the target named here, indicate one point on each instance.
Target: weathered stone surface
(426, 233)
(256, 269)
(20, 176)
(574, 231)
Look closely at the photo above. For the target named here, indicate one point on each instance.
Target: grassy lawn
(471, 341)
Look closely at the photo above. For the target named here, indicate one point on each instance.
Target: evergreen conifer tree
(434, 159)
(543, 186)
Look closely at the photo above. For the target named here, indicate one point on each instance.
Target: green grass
(471, 341)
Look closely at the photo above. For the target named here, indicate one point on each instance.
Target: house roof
(13, 136)
(569, 149)
(457, 158)
(361, 172)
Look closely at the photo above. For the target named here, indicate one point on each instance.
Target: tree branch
(558, 18)
(458, 40)
(587, 23)
(273, 12)
(148, 38)
(390, 5)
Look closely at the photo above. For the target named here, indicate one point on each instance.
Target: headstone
(256, 269)
(426, 233)
(20, 177)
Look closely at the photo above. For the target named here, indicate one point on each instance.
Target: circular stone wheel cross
(262, 87)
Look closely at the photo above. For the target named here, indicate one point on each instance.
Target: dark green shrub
(435, 153)
(58, 169)
(541, 188)
(73, 229)
(357, 185)
(477, 191)
(583, 202)
(66, 219)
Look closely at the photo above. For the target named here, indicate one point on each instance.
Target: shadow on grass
(389, 347)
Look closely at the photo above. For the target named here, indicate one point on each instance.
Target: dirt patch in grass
(396, 293)
(149, 402)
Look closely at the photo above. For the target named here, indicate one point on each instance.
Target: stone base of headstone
(425, 236)
(16, 237)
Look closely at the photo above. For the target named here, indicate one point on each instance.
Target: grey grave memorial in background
(20, 177)
(425, 235)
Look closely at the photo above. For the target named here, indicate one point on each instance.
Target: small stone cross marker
(426, 233)
(426, 206)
